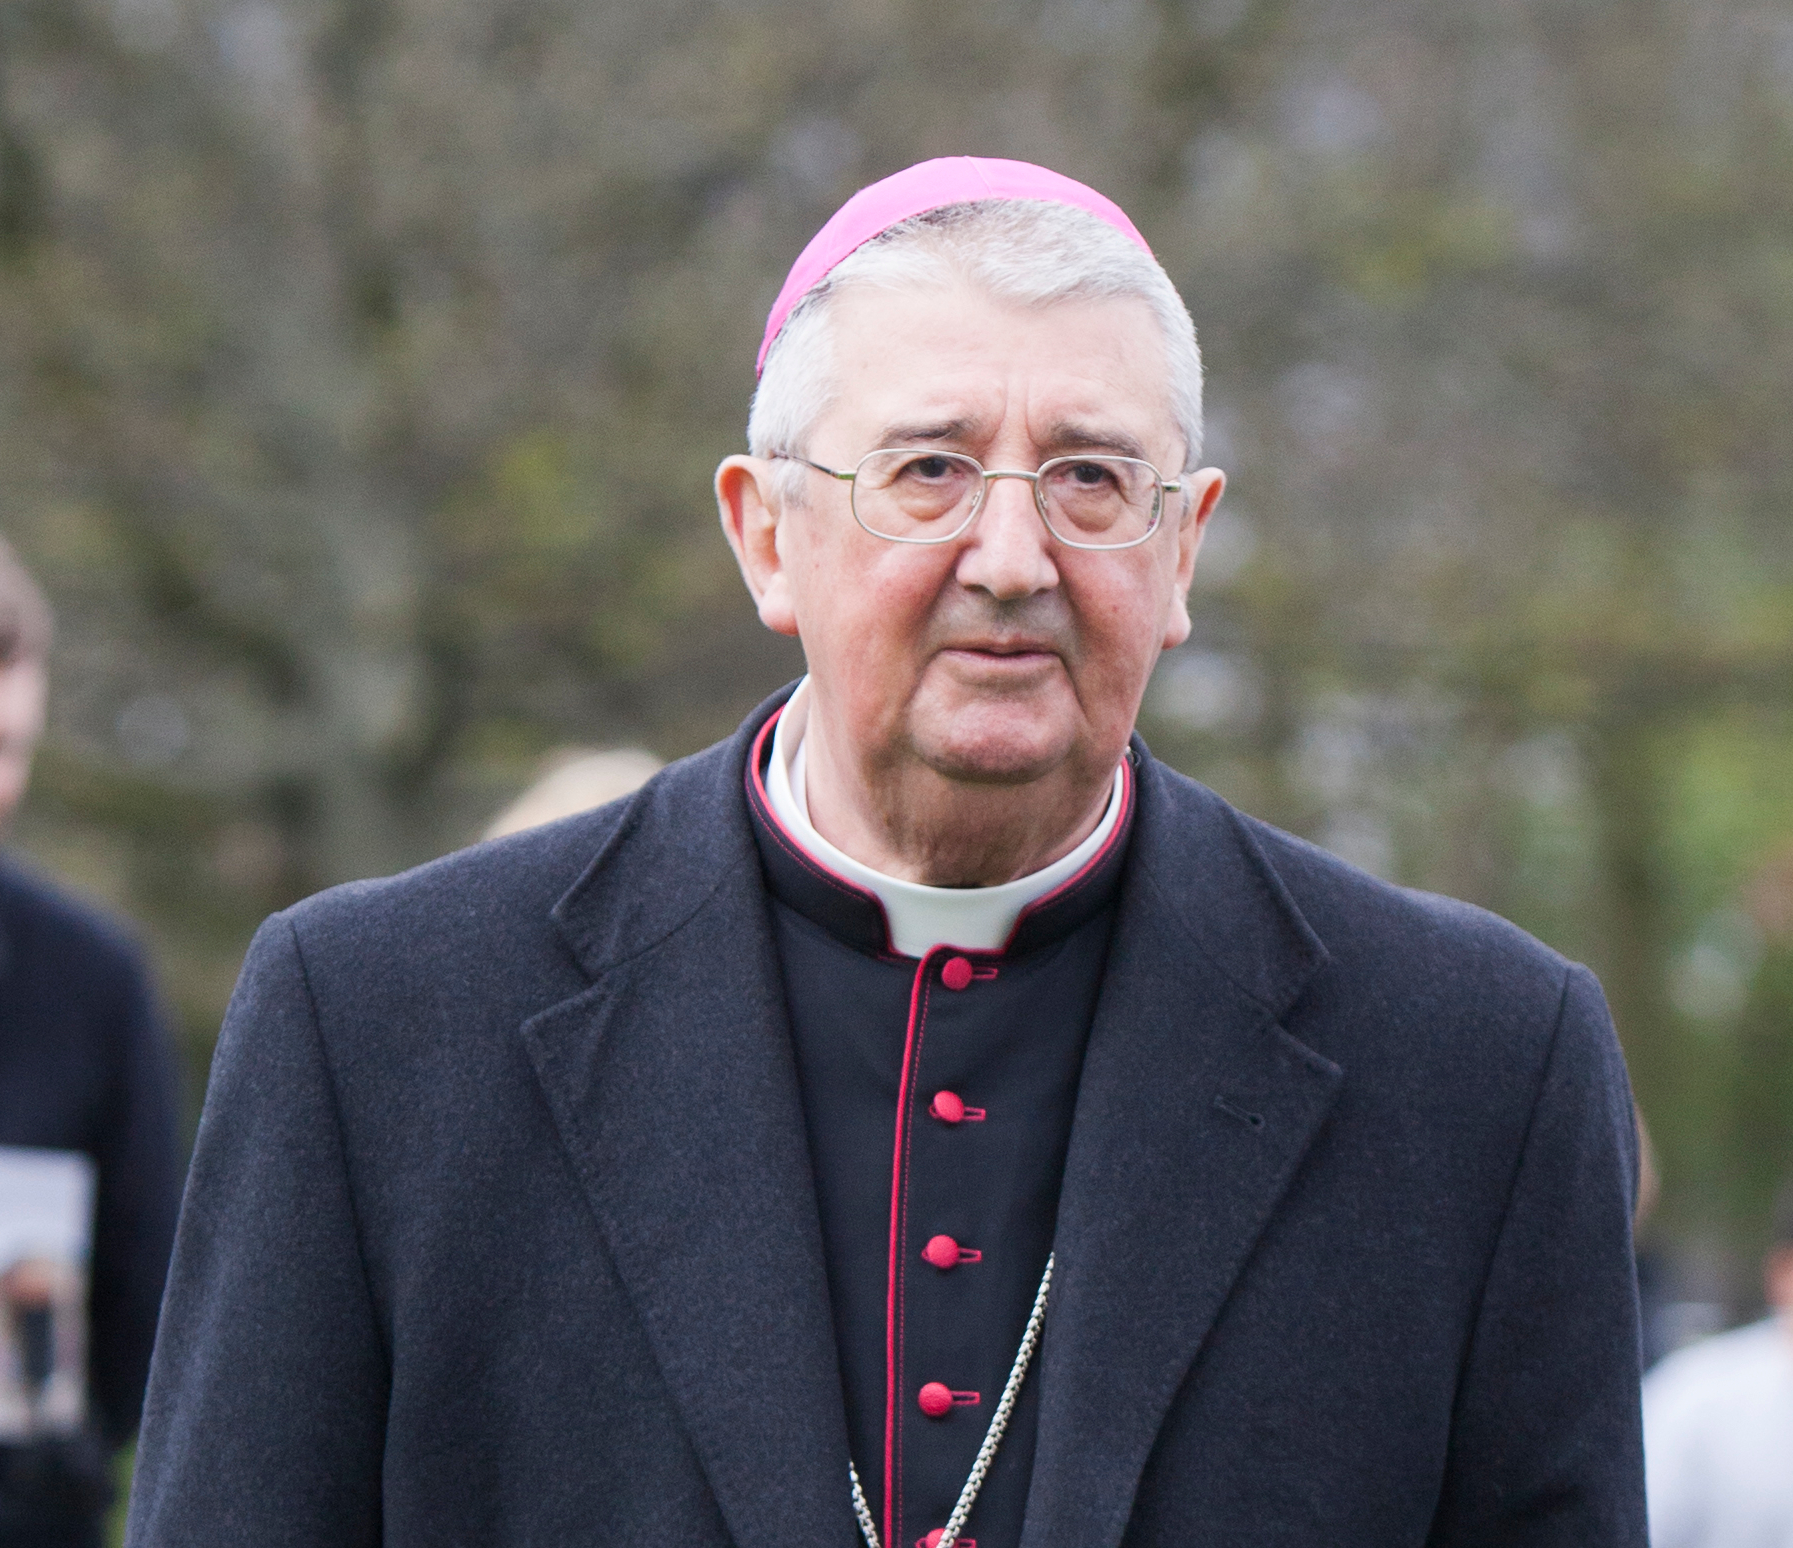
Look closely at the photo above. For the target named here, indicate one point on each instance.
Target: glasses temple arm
(846, 477)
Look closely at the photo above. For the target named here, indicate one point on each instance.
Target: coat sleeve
(265, 1416)
(1546, 1444)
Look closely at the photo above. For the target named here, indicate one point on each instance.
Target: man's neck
(914, 824)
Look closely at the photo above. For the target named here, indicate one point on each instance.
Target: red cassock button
(936, 1399)
(947, 1106)
(942, 1252)
(956, 974)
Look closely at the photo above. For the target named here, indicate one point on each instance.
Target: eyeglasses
(914, 495)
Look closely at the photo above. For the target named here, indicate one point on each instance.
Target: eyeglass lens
(923, 495)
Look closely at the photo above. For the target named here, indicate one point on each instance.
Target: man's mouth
(1002, 656)
(1004, 647)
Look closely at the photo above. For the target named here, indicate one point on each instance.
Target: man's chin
(995, 745)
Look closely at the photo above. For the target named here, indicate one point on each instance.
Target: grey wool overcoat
(501, 1229)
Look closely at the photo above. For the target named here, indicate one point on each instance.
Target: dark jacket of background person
(84, 1065)
(501, 1226)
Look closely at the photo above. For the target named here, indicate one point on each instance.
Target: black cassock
(938, 1097)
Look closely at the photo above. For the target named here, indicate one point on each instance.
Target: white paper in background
(46, 1238)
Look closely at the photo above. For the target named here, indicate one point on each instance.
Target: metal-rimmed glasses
(914, 494)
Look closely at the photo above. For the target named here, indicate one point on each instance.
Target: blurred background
(364, 363)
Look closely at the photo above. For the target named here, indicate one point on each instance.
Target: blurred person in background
(85, 1068)
(924, 1117)
(575, 779)
(1718, 1424)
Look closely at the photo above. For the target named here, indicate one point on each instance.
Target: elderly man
(923, 1118)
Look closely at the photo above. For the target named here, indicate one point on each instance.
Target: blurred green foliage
(364, 363)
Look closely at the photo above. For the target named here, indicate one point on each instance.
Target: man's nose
(1009, 552)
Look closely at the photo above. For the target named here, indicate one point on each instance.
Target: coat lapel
(673, 1085)
(1194, 1112)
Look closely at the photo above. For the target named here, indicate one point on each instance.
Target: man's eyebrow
(1069, 437)
(909, 433)
(1060, 439)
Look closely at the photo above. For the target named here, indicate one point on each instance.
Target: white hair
(1027, 251)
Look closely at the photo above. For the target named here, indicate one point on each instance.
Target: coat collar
(673, 1085)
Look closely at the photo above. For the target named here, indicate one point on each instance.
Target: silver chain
(868, 1528)
(986, 1453)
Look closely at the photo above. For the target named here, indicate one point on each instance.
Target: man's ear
(749, 507)
(1201, 493)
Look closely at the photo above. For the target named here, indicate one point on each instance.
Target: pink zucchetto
(928, 185)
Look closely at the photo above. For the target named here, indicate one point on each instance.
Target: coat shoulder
(1398, 974)
(1353, 910)
(511, 910)
(479, 903)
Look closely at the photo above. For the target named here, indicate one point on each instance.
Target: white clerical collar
(920, 917)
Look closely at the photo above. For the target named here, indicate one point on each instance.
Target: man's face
(1001, 656)
(22, 693)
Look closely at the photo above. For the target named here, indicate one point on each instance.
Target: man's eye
(930, 468)
(1090, 475)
